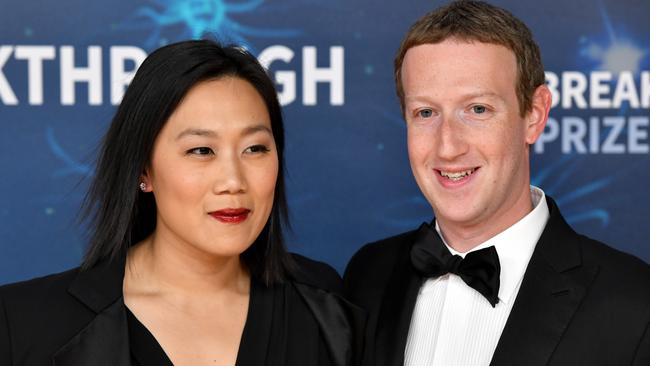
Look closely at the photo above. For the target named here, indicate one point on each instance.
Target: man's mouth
(458, 175)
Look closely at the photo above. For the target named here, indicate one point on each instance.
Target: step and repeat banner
(65, 65)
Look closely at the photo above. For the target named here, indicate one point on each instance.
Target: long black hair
(119, 214)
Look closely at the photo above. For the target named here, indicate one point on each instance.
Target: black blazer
(580, 302)
(79, 318)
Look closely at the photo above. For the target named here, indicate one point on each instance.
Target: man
(529, 291)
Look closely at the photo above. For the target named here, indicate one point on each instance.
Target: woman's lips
(231, 215)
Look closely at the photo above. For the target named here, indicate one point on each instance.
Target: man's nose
(451, 138)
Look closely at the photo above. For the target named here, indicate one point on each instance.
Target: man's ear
(538, 114)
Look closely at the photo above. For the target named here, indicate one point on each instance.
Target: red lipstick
(231, 215)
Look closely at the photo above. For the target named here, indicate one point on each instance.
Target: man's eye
(256, 149)
(200, 151)
(425, 113)
(479, 109)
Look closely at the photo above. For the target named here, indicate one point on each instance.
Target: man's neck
(465, 236)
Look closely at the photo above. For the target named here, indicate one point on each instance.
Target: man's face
(467, 142)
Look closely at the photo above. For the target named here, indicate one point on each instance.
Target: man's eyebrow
(484, 94)
(196, 132)
(415, 97)
(425, 98)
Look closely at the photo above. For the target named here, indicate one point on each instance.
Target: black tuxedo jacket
(78, 318)
(580, 302)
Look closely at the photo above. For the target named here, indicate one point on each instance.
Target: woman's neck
(156, 265)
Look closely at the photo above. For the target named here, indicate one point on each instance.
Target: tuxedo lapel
(553, 287)
(105, 340)
(396, 310)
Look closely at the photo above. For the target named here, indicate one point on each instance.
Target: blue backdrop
(64, 65)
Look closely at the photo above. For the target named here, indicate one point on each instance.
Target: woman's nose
(230, 178)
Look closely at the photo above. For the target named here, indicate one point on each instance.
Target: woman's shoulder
(40, 288)
(316, 274)
(39, 316)
(40, 302)
(340, 323)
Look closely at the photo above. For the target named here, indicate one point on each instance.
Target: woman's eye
(200, 151)
(256, 149)
(479, 109)
(425, 113)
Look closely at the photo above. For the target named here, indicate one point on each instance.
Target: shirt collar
(515, 245)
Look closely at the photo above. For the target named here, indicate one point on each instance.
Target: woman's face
(213, 169)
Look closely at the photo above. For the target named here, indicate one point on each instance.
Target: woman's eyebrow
(255, 129)
(196, 132)
(211, 133)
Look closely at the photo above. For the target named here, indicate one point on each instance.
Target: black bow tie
(479, 269)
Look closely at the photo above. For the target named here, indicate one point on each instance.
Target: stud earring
(143, 186)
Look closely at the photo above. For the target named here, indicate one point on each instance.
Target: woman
(186, 263)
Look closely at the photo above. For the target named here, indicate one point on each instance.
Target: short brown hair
(478, 21)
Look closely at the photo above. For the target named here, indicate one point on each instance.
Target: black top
(276, 318)
(145, 349)
(78, 318)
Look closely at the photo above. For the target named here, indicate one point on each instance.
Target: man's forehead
(462, 43)
(453, 50)
(471, 69)
(452, 59)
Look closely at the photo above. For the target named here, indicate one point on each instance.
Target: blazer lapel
(553, 287)
(340, 322)
(396, 309)
(105, 340)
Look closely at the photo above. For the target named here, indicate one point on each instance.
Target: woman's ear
(145, 183)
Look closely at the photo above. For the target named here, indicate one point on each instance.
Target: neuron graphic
(185, 19)
(553, 178)
(69, 168)
(616, 53)
(70, 165)
(404, 211)
(197, 18)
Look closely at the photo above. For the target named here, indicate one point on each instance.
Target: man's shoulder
(372, 265)
(596, 250)
(316, 274)
(382, 253)
(616, 265)
(623, 273)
